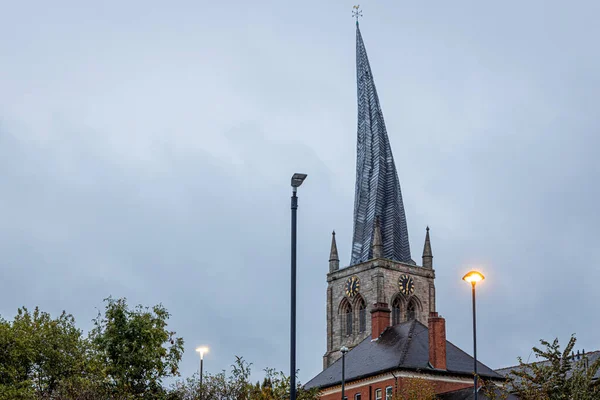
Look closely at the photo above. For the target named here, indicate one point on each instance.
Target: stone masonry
(378, 284)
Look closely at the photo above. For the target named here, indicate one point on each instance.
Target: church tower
(381, 269)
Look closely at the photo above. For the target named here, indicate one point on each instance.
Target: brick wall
(367, 388)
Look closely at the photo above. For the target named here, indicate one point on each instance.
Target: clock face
(352, 286)
(406, 285)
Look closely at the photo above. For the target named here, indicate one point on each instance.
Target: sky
(146, 150)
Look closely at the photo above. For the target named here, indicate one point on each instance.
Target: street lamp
(473, 277)
(297, 180)
(202, 350)
(344, 350)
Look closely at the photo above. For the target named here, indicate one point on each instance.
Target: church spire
(334, 259)
(427, 254)
(377, 186)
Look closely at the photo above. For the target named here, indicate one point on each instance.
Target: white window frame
(357, 396)
(389, 393)
(378, 395)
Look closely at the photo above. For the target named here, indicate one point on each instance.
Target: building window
(346, 315)
(388, 393)
(378, 394)
(349, 323)
(362, 317)
(411, 312)
(396, 305)
(357, 396)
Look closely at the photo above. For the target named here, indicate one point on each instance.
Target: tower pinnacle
(377, 242)
(334, 259)
(427, 254)
(377, 185)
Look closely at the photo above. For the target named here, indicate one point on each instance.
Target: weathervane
(356, 12)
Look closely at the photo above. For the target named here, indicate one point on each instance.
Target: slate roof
(404, 346)
(592, 357)
(467, 394)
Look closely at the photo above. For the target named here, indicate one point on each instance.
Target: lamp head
(473, 277)
(344, 349)
(297, 179)
(202, 350)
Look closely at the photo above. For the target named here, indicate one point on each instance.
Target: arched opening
(362, 316)
(411, 311)
(396, 310)
(346, 317)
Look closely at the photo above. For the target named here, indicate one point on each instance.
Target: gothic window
(346, 317)
(396, 306)
(411, 311)
(362, 316)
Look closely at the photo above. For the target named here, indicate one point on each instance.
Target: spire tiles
(377, 189)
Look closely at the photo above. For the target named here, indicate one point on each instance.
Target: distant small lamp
(473, 277)
(202, 350)
(344, 350)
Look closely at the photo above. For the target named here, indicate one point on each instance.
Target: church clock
(406, 285)
(352, 286)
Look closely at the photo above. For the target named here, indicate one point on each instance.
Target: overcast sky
(146, 149)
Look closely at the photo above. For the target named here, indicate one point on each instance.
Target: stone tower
(381, 269)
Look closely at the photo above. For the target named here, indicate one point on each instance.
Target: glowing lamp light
(202, 350)
(473, 277)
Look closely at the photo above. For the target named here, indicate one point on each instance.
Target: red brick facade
(380, 319)
(368, 388)
(437, 341)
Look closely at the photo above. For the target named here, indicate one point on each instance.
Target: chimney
(437, 341)
(380, 319)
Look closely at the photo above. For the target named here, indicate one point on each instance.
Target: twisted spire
(377, 185)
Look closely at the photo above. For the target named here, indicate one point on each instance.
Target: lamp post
(202, 350)
(473, 277)
(297, 180)
(344, 350)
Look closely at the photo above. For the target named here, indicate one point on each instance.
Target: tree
(38, 354)
(416, 389)
(237, 385)
(135, 349)
(559, 376)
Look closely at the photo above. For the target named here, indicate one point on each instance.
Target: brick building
(382, 306)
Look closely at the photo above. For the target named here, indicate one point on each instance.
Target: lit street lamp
(297, 180)
(202, 350)
(344, 350)
(473, 277)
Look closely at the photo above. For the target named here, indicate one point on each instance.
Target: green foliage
(38, 353)
(237, 385)
(558, 377)
(135, 348)
(126, 356)
(416, 389)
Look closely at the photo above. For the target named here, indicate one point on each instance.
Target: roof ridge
(467, 354)
(537, 362)
(407, 343)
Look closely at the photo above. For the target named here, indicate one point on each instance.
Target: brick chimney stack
(380, 319)
(437, 341)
